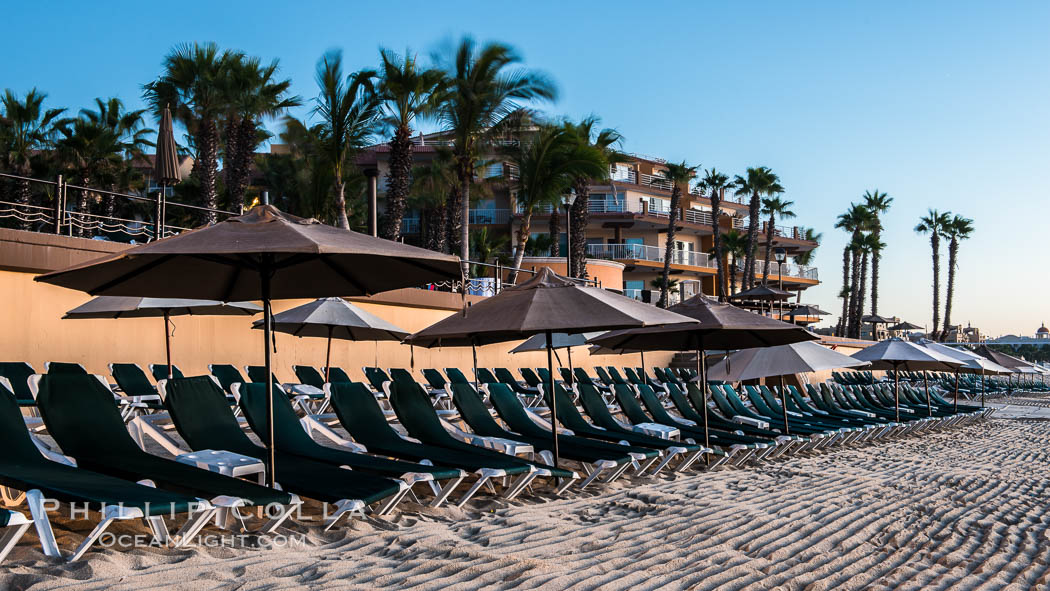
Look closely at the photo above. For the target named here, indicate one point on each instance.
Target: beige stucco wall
(34, 332)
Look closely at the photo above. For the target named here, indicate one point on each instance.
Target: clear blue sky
(940, 104)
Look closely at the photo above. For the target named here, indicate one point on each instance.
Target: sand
(962, 509)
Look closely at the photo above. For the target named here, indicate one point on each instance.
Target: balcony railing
(789, 269)
(489, 216)
(643, 252)
(410, 225)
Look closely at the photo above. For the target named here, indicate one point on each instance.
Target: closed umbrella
(804, 357)
(717, 326)
(545, 304)
(897, 355)
(333, 318)
(165, 169)
(138, 307)
(264, 254)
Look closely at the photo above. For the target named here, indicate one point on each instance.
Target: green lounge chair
(204, 421)
(434, 379)
(17, 373)
(57, 367)
(528, 394)
(24, 468)
(473, 410)
(604, 376)
(359, 413)
(530, 377)
(485, 376)
(455, 376)
(82, 419)
(376, 378)
(133, 382)
(308, 375)
(310, 399)
(227, 374)
(336, 374)
(159, 371)
(14, 526)
(293, 439)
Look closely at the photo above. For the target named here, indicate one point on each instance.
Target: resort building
(628, 215)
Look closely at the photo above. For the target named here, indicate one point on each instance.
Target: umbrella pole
(926, 383)
(271, 468)
(572, 377)
(700, 370)
(474, 355)
(328, 355)
(167, 341)
(982, 387)
(784, 407)
(645, 376)
(897, 393)
(956, 390)
(554, 412)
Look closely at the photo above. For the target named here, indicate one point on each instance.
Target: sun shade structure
(763, 292)
(165, 169)
(876, 319)
(333, 318)
(716, 326)
(971, 363)
(139, 307)
(804, 357)
(898, 355)
(807, 310)
(545, 304)
(905, 326)
(264, 254)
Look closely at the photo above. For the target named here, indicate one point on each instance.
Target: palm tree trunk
(844, 319)
(579, 217)
(554, 229)
(935, 244)
(716, 234)
(454, 217)
(862, 292)
(397, 182)
(340, 200)
(953, 252)
(769, 248)
(519, 250)
(465, 178)
(672, 218)
(854, 313)
(206, 167)
(752, 231)
(732, 275)
(876, 254)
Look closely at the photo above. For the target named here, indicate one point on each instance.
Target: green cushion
(132, 380)
(18, 373)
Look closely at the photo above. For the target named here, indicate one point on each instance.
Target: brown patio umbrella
(718, 326)
(897, 354)
(545, 304)
(165, 169)
(135, 307)
(264, 254)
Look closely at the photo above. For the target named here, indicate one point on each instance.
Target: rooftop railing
(644, 252)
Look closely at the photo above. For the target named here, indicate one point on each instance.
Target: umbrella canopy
(897, 354)
(752, 364)
(559, 340)
(545, 304)
(1017, 365)
(264, 254)
(807, 310)
(876, 319)
(905, 326)
(971, 362)
(763, 292)
(166, 166)
(136, 307)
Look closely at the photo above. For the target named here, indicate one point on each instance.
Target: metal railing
(644, 252)
(489, 216)
(789, 269)
(59, 207)
(410, 225)
(494, 283)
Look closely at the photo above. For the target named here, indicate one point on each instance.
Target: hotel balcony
(788, 269)
(411, 224)
(633, 253)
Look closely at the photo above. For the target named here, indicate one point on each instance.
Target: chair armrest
(545, 423)
(314, 424)
(140, 428)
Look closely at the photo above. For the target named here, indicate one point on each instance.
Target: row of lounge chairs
(339, 443)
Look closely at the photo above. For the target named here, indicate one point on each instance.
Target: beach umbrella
(762, 292)
(165, 169)
(897, 355)
(804, 357)
(264, 254)
(333, 318)
(971, 363)
(717, 326)
(904, 326)
(559, 340)
(806, 310)
(139, 307)
(545, 304)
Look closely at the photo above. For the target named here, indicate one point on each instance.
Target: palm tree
(88, 151)
(482, 86)
(193, 86)
(934, 223)
(715, 184)
(806, 258)
(756, 183)
(606, 141)
(348, 113)
(678, 175)
(547, 165)
(878, 203)
(869, 244)
(432, 183)
(773, 206)
(855, 221)
(25, 128)
(252, 94)
(487, 247)
(405, 92)
(957, 230)
(733, 245)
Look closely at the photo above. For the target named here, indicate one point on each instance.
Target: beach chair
(227, 374)
(308, 375)
(205, 422)
(44, 481)
(18, 373)
(566, 375)
(530, 377)
(159, 371)
(603, 376)
(13, 526)
(455, 376)
(360, 415)
(485, 376)
(295, 440)
(440, 398)
(528, 395)
(376, 378)
(310, 399)
(614, 375)
(777, 443)
(87, 426)
(136, 395)
(434, 379)
(336, 374)
(474, 412)
(59, 367)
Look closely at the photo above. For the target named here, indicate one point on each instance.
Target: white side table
(226, 463)
(658, 430)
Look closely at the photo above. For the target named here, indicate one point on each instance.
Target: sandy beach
(962, 509)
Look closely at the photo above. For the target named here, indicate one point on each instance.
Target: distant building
(1042, 332)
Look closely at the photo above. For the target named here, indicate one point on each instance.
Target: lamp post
(567, 200)
(780, 254)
